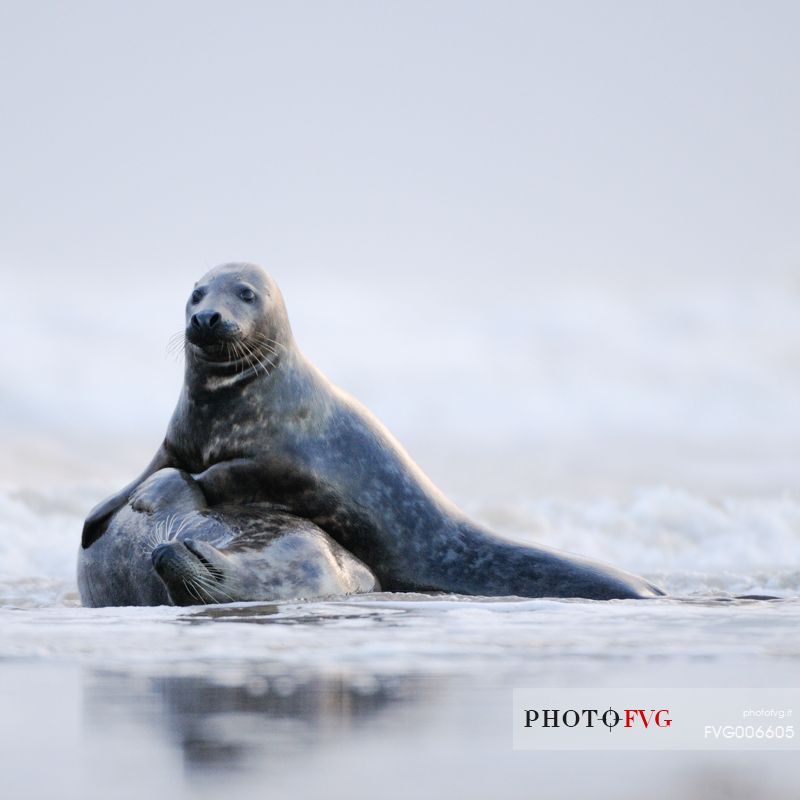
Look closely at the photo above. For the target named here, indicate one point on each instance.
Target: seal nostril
(206, 320)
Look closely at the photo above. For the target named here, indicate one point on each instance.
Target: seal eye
(248, 295)
(197, 296)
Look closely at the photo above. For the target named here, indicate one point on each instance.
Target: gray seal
(167, 547)
(256, 420)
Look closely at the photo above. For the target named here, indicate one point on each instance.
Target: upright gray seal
(257, 421)
(175, 550)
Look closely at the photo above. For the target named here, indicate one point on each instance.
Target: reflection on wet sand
(239, 613)
(240, 717)
(254, 734)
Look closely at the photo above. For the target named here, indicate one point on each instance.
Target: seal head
(236, 326)
(166, 547)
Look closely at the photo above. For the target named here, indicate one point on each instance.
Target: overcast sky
(365, 138)
(425, 168)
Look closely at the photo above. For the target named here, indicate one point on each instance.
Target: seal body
(257, 421)
(177, 551)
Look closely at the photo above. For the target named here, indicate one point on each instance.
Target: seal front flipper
(164, 489)
(239, 479)
(97, 521)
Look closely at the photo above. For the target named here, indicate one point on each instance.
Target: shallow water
(386, 693)
(382, 693)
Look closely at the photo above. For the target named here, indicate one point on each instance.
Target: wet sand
(382, 695)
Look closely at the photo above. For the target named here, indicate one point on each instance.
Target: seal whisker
(153, 539)
(267, 340)
(266, 358)
(265, 343)
(198, 590)
(146, 546)
(190, 591)
(181, 527)
(172, 520)
(176, 345)
(201, 593)
(243, 356)
(255, 356)
(251, 356)
(258, 351)
(265, 346)
(162, 531)
(258, 336)
(244, 350)
(157, 534)
(240, 356)
(209, 587)
(237, 356)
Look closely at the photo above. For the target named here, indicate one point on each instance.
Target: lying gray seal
(181, 552)
(257, 421)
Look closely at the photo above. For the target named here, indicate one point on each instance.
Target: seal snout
(213, 331)
(192, 571)
(206, 328)
(187, 558)
(205, 321)
(173, 558)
